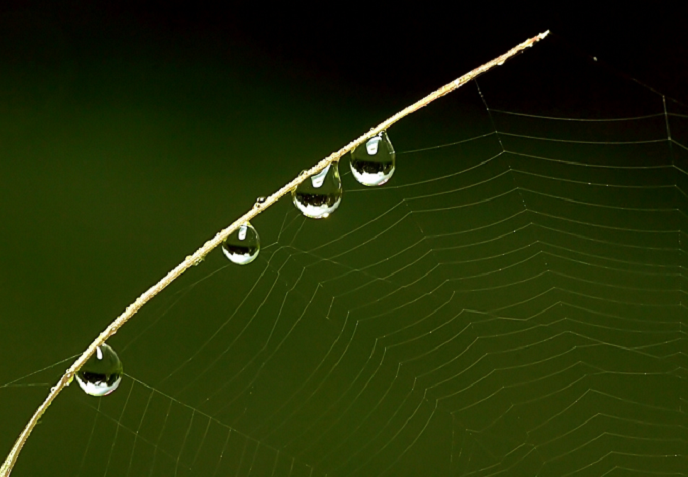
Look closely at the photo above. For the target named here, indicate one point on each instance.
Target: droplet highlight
(243, 245)
(102, 373)
(320, 195)
(373, 163)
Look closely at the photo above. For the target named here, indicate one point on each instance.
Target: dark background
(130, 132)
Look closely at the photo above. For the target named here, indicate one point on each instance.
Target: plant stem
(131, 310)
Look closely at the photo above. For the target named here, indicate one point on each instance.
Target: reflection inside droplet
(318, 197)
(374, 164)
(102, 373)
(243, 245)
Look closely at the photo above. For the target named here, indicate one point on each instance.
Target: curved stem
(131, 310)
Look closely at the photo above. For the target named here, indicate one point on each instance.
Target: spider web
(511, 302)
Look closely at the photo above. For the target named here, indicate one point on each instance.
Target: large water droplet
(318, 197)
(102, 373)
(243, 245)
(373, 163)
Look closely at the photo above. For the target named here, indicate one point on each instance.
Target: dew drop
(243, 245)
(259, 201)
(318, 197)
(102, 373)
(197, 262)
(373, 165)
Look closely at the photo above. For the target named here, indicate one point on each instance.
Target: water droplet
(373, 165)
(197, 261)
(318, 197)
(243, 245)
(259, 201)
(102, 373)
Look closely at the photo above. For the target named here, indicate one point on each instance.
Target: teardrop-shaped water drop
(372, 163)
(102, 373)
(320, 195)
(243, 245)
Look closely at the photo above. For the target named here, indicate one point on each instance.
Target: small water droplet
(196, 262)
(500, 63)
(318, 197)
(102, 373)
(374, 164)
(259, 201)
(243, 245)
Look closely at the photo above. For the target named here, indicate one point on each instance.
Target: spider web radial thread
(512, 302)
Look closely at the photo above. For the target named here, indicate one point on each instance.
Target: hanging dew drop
(243, 245)
(318, 197)
(102, 373)
(374, 164)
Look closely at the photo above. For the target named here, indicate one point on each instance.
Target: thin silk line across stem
(198, 256)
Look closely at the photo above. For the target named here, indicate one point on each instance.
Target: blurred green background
(130, 134)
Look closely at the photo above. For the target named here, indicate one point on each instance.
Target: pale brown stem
(131, 310)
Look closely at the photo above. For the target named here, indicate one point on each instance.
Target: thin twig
(131, 310)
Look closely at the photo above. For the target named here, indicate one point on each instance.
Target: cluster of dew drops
(372, 165)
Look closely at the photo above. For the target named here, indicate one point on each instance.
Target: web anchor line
(191, 260)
